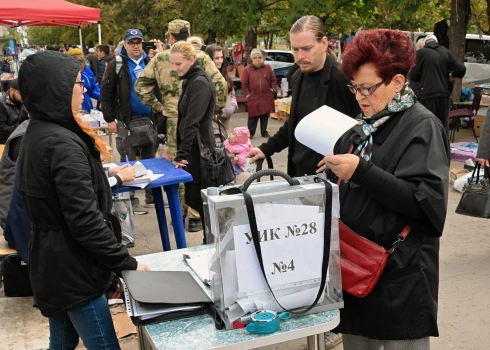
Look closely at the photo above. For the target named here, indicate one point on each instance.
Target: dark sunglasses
(364, 91)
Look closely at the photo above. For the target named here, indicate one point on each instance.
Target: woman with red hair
(393, 166)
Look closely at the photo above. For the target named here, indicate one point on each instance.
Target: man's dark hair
(103, 48)
(53, 47)
(182, 36)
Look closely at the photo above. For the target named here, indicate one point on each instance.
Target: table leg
(176, 214)
(311, 342)
(161, 218)
(320, 338)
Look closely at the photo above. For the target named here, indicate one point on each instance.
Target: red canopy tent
(19, 13)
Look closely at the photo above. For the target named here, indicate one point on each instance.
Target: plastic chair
(456, 115)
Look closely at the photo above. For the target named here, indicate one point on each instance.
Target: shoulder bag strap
(401, 237)
(326, 240)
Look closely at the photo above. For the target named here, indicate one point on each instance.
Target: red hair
(390, 51)
(99, 143)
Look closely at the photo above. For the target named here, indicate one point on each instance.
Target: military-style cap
(178, 26)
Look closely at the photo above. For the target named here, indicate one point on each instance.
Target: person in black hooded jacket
(73, 252)
(195, 119)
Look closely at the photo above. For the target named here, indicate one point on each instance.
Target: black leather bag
(15, 275)
(142, 132)
(216, 167)
(475, 200)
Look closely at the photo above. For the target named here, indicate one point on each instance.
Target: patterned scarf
(366, 126)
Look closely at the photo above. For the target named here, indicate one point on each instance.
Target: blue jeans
(91, 321)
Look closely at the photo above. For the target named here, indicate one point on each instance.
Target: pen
(127, 160)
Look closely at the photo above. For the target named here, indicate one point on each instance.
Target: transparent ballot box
(290, 222)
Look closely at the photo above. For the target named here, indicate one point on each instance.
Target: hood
(46, 83)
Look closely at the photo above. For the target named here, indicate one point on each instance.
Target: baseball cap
(133, 34)
(430, 37)
(178, 26)
(91, 50)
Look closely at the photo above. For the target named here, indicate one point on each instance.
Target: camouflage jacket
(159, 72)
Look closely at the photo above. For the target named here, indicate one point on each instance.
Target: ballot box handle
(269, 172)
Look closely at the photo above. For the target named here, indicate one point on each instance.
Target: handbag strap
(326, 239)
(401, 237)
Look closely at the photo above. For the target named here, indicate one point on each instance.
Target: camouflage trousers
(171, 150)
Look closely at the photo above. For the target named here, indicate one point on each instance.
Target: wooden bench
(5, 249)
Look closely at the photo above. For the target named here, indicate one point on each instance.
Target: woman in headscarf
(258, 83)
(73, 252)
(393, 169)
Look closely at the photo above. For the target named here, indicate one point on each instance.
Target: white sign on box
(321, 129)
(292, 252)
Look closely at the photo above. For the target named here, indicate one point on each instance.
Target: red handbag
(362, 261)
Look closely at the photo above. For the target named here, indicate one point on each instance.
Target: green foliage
(237, 18)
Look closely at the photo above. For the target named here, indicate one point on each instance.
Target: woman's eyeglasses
(364, 91)
(82, 86)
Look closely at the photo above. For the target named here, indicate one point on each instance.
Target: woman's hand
(127, 173)
(142, 267)
(181, 164)
(483, 161)
(342, 165)
(117, 169)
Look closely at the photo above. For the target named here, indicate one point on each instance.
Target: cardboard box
(478, 124)
(456, 173)
(485, 100)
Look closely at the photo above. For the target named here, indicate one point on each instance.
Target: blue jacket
(93, 89)
(18, 225)
(137, 107)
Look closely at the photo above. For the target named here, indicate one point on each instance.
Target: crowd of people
(392, 166)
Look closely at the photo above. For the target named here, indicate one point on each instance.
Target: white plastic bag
(460, 182)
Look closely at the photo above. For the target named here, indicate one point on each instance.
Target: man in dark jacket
(102, 51)
(317, 83)
(120, 102)
(12, 111)
(432, 69)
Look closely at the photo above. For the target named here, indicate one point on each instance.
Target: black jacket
(405, 183)
(65, 191)
(196, 110)
(432, 67)
(333, 93)
(115, 92)
(11, 115)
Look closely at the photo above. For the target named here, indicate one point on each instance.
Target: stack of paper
(143, 176)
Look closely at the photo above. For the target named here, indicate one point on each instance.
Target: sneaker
(139, 210)
(266, 135)
(332, 340)
(195, 225)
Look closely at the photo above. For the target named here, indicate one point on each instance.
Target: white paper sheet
(143, 181)
(287, 259)
(321, 129)
(199, 263)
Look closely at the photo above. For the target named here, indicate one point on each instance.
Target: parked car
(279, 58)
(281, 72)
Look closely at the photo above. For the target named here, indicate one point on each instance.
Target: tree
(460, 18)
